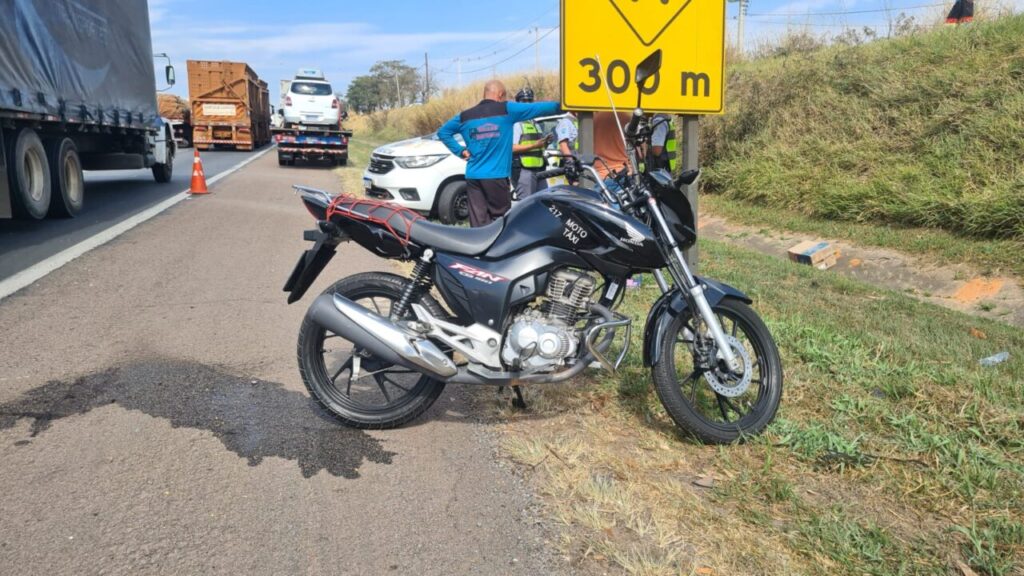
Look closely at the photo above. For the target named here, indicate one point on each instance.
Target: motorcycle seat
(458, 240)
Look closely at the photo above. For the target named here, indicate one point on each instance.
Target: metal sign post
(691, 161)
(586, 132)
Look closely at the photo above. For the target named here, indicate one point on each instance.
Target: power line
(872, 11)
(528, 46)
(816, 25)
(527, 30)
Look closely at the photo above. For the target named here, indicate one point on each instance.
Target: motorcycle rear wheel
(384, 395)
(688, 397)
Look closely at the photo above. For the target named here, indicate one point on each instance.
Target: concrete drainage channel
(956, 287)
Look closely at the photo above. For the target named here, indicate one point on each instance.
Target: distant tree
(399, 84)
(390, 84)
(364, 94)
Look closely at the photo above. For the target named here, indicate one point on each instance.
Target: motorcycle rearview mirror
(644, 71)
(169, 73)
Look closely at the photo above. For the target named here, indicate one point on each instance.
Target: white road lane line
(29, 275)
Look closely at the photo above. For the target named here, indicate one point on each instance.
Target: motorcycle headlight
(419, 161)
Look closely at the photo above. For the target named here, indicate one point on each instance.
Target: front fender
(672, 304)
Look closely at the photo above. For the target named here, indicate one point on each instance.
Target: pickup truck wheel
(67, 181)
(453, 204)
(30, 175)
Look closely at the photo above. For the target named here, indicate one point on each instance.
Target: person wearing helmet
(528, 143)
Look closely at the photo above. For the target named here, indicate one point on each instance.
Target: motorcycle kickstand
(519, 402)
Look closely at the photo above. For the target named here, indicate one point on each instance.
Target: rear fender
(672, 304)
(311, 263)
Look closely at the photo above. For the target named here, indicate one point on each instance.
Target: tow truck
(311, 143)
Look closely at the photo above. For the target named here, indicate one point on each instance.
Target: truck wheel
(67, 181)
(30, 175)
(342, 161)
(163, 173)
(453, 204)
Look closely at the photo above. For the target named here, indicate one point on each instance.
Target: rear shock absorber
(419, 280)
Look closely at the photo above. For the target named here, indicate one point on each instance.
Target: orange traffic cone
(198, 177)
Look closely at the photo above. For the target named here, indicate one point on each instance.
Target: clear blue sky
(345, 38)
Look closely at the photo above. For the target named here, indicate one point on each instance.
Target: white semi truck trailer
(77, 92)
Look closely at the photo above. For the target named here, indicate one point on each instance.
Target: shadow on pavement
(252, 418)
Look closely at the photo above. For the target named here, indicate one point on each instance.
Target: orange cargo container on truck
(230, 105)
(178, 112)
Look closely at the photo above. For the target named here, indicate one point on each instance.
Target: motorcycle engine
(543, 338)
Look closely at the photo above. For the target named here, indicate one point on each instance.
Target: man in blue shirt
(487, 129)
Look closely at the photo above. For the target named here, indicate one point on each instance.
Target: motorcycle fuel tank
(576, 219)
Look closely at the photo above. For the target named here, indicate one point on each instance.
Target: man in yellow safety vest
(528, 145)
(663, 143)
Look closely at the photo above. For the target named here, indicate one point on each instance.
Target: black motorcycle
(531, 299)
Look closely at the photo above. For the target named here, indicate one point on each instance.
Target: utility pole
(536, 50)
(426, 77)
(740, 18)
(743, 17)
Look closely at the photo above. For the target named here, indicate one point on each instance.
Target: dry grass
(894, 452)
(424, 119)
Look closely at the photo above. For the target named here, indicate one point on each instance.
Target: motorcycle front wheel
(703, 397)
(359, 389)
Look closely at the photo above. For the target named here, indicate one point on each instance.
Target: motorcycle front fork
(686, 281)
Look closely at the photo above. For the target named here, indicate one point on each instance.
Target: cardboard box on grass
(821, 255)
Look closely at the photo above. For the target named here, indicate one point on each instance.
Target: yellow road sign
(604, 40)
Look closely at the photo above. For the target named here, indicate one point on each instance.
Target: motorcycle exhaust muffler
(380, 336)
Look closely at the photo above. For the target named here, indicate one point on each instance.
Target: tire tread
(411, 412)
(667, 387)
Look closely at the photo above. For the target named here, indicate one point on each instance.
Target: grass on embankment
(925, 130)
(894, 451)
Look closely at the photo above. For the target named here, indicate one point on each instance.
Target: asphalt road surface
(110, 197)
(152, 419)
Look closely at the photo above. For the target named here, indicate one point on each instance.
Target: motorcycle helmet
(525, 95)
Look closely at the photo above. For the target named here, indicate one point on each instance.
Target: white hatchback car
(311, 101)
(423, 175)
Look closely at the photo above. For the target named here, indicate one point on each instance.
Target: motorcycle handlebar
(551, 173)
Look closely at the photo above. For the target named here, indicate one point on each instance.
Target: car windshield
(311, 88)
(547, 126)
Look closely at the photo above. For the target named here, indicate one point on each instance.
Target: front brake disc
(730, 384)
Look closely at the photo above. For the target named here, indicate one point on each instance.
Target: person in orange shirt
(610, 147)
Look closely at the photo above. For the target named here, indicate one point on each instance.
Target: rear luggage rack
(377, 212)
